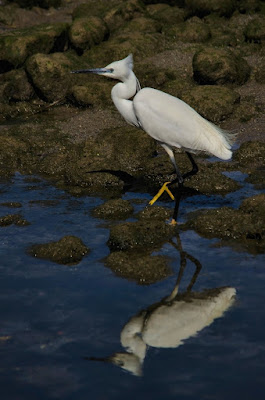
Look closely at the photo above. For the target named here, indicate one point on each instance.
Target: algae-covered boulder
(219, 66)
(68, 250)
(165, 14)
(205, 7)
(13, 219)
(255, 30)
(215, 103)
(155, 213)
(141, 268)
(87, 31)
(139, 235)
(193, 30)
(244, 225)
(14, 86)
(250, 154)
(113, 209)
(122, 149)
(17, 45)
(50, 76)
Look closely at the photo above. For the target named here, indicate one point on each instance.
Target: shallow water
(55, 317)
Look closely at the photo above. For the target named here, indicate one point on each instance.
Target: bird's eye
(111, 70)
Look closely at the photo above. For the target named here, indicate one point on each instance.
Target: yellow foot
(173, 222)
(161, 191)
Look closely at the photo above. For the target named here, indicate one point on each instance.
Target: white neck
(121, 93)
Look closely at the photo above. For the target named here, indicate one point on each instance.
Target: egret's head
(116, 70)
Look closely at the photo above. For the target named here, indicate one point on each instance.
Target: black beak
(98, 71)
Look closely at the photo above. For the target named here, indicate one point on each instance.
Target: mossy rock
(201, 8)
(214, 103)
(209, 179)
(122, 44)
(244, 225)
(13, 219)
(250, 154)
(69, 250)
(256, 178)
(37, 3)
(193, 30)
(18, 45)
(154, 213)
(90, 94)
(139, 235)
(165, 14)
(118, 16)
(226, 33)
(143, 269)
(143, 25)
(8, 14)
(105, 151)
(248, 6)
(88, 31)
(255, 30)
(49, 75)
(116, 209)
(14, 86)
(219, 66)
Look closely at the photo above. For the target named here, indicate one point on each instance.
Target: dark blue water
(54, 317)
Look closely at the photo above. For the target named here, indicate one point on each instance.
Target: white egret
(167, 119)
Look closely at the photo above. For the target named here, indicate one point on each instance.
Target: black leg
(195, 168)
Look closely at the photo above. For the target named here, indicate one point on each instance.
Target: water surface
(55, 317)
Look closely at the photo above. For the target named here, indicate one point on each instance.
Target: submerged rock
(245, 225)
(13, 219)
(113, 209)
(139, 235)
(143, 269)
(68, 250)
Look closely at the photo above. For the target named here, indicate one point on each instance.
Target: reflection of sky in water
(57, 315)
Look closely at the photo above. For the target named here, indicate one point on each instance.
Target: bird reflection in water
(171, 321)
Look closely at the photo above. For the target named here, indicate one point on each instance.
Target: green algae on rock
(50, 75)
(18, 45)
(113, 209)
(255, 30)
(68, 250)
(154, 213)
(214, 103)
(205, 7)
(250, 154)
(14, 86)
(13, 219)
(86, 32)
(139, 235)
(144, 269)
(219, 66)
(193, 30)
(245, 225)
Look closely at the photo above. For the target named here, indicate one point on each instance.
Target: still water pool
(55, 318)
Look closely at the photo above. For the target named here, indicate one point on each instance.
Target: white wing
(169, 120)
